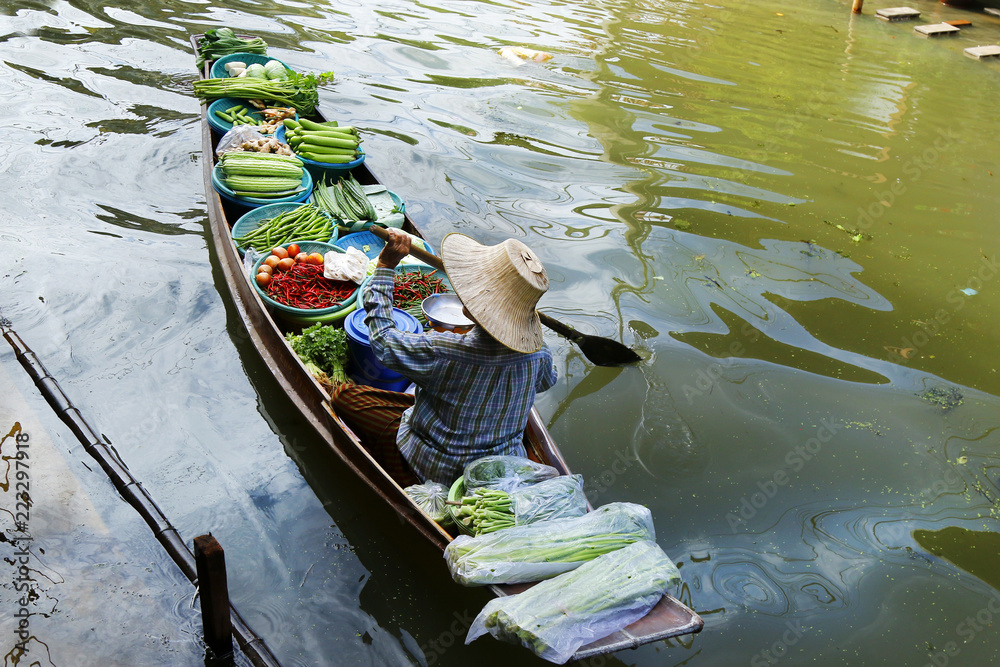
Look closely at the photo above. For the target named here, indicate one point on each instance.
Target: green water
(789, 208)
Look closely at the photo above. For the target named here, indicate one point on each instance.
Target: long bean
(305, 223)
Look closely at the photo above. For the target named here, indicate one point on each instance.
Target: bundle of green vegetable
(298, 90)
(343, 199)
(219, 42)
(324, 142)
(261, 175)
(505, 473)
(486, 511)
(305, 223)
(323, 349)
(555, 618)
(431, 498)
(548, 548)
(489, 510)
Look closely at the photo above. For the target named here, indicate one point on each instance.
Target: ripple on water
(747, 584)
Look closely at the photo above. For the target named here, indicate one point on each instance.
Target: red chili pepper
(412, 288)
(303, 286)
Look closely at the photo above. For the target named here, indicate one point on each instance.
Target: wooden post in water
(213, 587)
(857, 6)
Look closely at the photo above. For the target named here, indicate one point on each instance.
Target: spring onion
(298, 90)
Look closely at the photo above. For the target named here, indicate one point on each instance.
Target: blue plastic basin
(365, 367)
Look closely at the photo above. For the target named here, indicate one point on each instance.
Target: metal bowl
(444, 313)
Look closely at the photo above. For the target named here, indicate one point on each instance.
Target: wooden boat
(669, 618)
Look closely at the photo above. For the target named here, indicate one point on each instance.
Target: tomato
(263, 279)
(316, 258)
(293, 250)
(286, 264)
(266, 268)
(279, 252)
(271, 261)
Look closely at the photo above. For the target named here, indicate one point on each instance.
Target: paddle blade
(607, 352)
(598, 350)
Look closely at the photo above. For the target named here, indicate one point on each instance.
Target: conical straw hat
(500, 286)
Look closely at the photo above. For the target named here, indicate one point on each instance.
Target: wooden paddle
(600, 351)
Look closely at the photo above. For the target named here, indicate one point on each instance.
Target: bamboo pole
(857, 6)
(251, 644)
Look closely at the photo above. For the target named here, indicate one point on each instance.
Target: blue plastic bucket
(365, 367)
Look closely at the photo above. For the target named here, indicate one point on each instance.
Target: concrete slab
(936, 30)
(897, 14)
(980, 52)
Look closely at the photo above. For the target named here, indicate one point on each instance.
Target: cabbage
(256, 71)
(275, 70)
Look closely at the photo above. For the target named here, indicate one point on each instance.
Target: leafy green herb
(219, 42)
(322, 349)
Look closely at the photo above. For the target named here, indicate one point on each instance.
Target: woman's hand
(396, 248)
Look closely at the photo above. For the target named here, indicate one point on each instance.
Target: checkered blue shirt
(473, 394)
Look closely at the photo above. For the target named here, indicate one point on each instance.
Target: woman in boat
(475, 390)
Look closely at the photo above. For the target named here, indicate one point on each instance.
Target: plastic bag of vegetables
(489, 510)
(548, 548)
(557, 498)
(556, 617)
(431, 498)
(505, 473)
